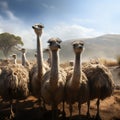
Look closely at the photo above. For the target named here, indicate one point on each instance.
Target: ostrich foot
(97, 117)
(12, 115)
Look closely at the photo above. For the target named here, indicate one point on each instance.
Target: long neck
(23, 59)
(50, 57)
(77, 69)
(15, 61)
(54, 75)
(39, 58)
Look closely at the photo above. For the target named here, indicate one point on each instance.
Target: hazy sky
(66, 19)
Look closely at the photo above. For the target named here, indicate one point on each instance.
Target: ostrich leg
(12, 115)
(88, 109)
(70, 109)
(98, 110)
(79, 108)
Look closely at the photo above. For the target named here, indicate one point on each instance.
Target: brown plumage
(34, 81)
(13, 83)
(100, 82)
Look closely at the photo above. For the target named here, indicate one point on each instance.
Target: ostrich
(14, 56)
(38, 70)
(47, 50)
(100, 83)
(13, 83)
(9, 61)
(77, 89)
(24, 59)
(54, 80)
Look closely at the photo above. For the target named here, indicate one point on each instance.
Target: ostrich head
(38, 29)
(46, 50)
(78, 46)
(23, 50)
(35, 54)
(54, 44)
(14, 56)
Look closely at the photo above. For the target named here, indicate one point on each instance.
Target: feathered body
(100, 82)
(14, 81)
(77, 90)
(53, 94)
(34, 81)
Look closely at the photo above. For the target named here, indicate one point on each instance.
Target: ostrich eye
(50, 43)
(58, 43)
(74, 45)
(40, 26)
(82, 44)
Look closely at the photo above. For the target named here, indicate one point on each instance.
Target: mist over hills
(107, 46)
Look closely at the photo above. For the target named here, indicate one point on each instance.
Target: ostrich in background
(47, 50)
(12, 60)
(77, 89)
(38, 70)
(53, 82)
(100, 83)
(14, 56)
(24, 59)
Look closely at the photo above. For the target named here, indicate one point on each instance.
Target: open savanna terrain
(28, 109)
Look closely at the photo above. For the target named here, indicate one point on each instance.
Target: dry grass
(104, 61)
(66, 64)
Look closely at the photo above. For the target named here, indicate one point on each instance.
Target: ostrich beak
(33, 27)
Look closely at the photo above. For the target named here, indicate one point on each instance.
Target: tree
(8, 42)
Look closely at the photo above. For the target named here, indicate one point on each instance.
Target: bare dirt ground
(28, 109)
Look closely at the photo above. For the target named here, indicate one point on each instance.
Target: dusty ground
(29, 109)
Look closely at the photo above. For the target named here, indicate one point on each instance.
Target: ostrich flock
(52, 84)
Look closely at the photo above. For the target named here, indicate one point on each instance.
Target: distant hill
(107, 46)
